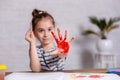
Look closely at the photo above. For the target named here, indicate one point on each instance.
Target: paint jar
(2, 71)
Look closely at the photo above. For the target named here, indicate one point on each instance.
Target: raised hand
(30, 36)
(62, 45)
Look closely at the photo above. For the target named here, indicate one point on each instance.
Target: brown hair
(39, 15)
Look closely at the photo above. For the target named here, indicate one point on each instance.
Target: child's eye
(49, 29)
(41, 30)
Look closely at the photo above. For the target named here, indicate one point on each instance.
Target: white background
(15, 18)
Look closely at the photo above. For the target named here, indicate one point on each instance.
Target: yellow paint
(3, 67)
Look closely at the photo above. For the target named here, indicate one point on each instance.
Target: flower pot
(104, 46)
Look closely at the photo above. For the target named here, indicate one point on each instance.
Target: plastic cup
(2, 71)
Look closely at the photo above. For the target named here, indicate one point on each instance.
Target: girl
(47, 56)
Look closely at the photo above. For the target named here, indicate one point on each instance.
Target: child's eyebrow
(50, 27)
(40, 28)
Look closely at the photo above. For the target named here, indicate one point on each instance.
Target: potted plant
(104, 26)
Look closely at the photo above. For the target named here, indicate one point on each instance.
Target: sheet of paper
(35, 76)
(62, 76)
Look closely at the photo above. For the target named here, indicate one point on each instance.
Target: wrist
(32, 43)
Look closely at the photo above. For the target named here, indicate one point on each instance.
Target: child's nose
(46, 33)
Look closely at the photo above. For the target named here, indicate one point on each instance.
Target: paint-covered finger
(59, 34)
(65, 37)
(55, 37)
(72, 39)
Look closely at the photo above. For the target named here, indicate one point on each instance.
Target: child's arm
(34, 61)
(62, 45)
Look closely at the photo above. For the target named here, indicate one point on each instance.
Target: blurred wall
(15, 18)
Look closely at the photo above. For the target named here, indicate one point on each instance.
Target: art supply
(114, 70)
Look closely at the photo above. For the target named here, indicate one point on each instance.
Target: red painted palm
(62, 44)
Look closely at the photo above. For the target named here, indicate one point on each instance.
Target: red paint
(95, 76)
(62, 44)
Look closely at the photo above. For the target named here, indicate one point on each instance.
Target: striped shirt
(50, 62)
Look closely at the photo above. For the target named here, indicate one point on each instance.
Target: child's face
(43, 31)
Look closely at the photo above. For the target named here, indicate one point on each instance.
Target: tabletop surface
(80, 70)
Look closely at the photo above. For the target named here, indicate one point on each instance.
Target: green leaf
(110, 22)
(112, 27)
(102, 23)
(88, 32)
